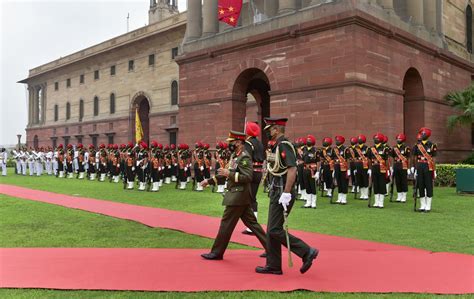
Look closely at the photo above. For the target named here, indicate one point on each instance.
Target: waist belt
(422, 161)
(258, 170)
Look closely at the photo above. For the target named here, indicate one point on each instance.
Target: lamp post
(19, 140)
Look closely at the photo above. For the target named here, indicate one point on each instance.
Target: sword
(285, 227)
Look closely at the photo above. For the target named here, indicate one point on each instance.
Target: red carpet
(184, 270)
(344, 265)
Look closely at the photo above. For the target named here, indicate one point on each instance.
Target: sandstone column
(210, 22)
(415, 11)
(285, 6)
(194, 23)
(430, 14)
(30, 105)
(270, 8)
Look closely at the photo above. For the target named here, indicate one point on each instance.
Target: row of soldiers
(374, 168)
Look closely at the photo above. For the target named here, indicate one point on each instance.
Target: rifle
(334, 183)
(391, 187)
(285, 228)
(356, 189)
(148, 180)
(369, 204)
(321, 181)
(415, 187)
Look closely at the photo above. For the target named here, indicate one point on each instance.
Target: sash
(383, 167)
(431, 163)
(342, 160)
(365, 161)
(328, 159)
(351, 151)
(401, 157)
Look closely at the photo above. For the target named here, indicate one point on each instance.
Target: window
(81, 79)
(151, 59)
(96, 75)
(68, 82)
(173, 137)
(81, 110)
(112, 70)
(96, 106)
(174, 93)
(68, 110)
(112, 103)
(56, 112)
(111, 139)
(56, 86)
(131, 65)
(94, 141)
(469, 29)
(174, 52)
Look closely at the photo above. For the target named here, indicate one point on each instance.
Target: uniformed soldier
(378, 155)
(182, 166)
(154, 166)
(207, 161)
(282, 176)
(237, 200)
(102, 158)
(341, 169)
(130, 166)
(49, 160)
(69, 161)
(425, 168)
(92, 165)
(115, 164)
(80, 161)
(327, 165)
(221, 162)
(31, 161)
(39, 160)
(60, 160)
(389, 176)
(142, 165)
(299, 145)
(401, 167)
(362, 167)
(254, 147)
(174, 163)
(198, 165)
(352, 163)
(3, 160)
(310, 172)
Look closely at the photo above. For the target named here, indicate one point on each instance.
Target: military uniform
(80, 161)
(142, 166)
(341, 169)
(362, 167)
(327, 165)
(91, 169)
(236, 201)
(69, 162)
(351, 155)
(199, 165)
(379, 155)
(310, 157)
(3, 160)
(401, 168)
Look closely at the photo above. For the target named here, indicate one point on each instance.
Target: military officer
(362, 167)
(80, 161)
(130, 166)
(310, 172)
(401, 167)
(327, 165)
(378, 155)
(3, 160)
(299, 146)
(198, 165)
(352, 163)
(282, 176)
(237, 200)
(425, 168)
(341, 169)
(70, 161)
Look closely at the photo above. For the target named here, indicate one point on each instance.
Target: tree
(463, 102)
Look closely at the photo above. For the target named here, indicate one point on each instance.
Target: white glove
(185, 169)
(391, 169)
(175, 164)
(169, 167)
(434, 175)
(316, 175)
(348, 172)
(133, 168)
(408, 171)
(284, 200)
(388, 172)
(333, 173)
(201, 168)
(355, 172)
(369, 172)
(210, 168)
(412, 169)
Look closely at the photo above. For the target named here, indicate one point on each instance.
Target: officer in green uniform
(237, 199)
(281, 168)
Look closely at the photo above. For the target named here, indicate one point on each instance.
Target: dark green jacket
(238, 183)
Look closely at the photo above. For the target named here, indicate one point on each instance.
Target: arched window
(469, 29)
(96, 106)
(174, 93)
(68, 110)
(81, 110)
(112, 103)
(56, 112)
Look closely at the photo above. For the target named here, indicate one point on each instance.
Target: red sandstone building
(331, 66)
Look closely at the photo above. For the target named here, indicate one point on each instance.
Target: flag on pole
(228, 11)
(138, 127)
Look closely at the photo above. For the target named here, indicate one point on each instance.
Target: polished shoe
(246, 232)
(263, 255)
(211, 256)
(268, 270)
(308, 259)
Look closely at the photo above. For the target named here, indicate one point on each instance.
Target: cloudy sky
(35, 32)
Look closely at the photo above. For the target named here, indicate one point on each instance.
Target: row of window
(174, 101)
(131, 67)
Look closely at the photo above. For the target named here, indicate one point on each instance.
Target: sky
(36, 32)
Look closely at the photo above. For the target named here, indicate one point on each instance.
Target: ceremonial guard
(102, 158)
(378, 155)
(327, 165)
(341, 169)
(182, 167)
(23, 160)
(168, 163)
(254, 147)
(363, 172)
(69, 161)
(92, 169)
(389, 177)
(115, 164)
(352, 163)
(60, 155)
(17, 157)
(237, 200)
(425, 168)
(299, 145)
(155, 166)
(207, 161)
(31, 160)
(81, 161)
(49, 160)
(220, 163)
(130, 166)
(39, 159)
(198, 165)
(174, 162)
(3, 160)
(401, 167)
(141, 166)
(310, 172)
(281, 169)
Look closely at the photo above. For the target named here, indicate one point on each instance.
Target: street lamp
(19, 140)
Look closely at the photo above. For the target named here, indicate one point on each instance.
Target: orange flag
(228, 11)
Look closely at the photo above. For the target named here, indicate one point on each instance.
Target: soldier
(130, 166)
(299, 145)
(141, 166)
(352, 163)
(60, 159)
(31, 161)
(282, 176)
(237, 201)
(254, 147)
(310, 172)
(81, 161)
(207, 161)
(154, 166)
(49, 161)
(92, 169)
(389, 177)
(69, 161)
(17, 157)
(115, 163)
(3, 160)
(401, 167)
(327, 165)
(220, 163)
(39, 159)
(198, 165)
(378, 155)
(425, 168)
(362, 167)
(101, 158)
(182, 166)
(341, 169)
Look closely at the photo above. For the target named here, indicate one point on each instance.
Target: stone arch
(141, 102)
(413, 104)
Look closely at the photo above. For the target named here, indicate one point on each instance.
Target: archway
(413, 104)
(252, 88)
(142, 104)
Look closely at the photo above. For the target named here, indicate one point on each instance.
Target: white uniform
(3, 161)
(49, 162)
(39, 158)
(31, 162)
(23, 160)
